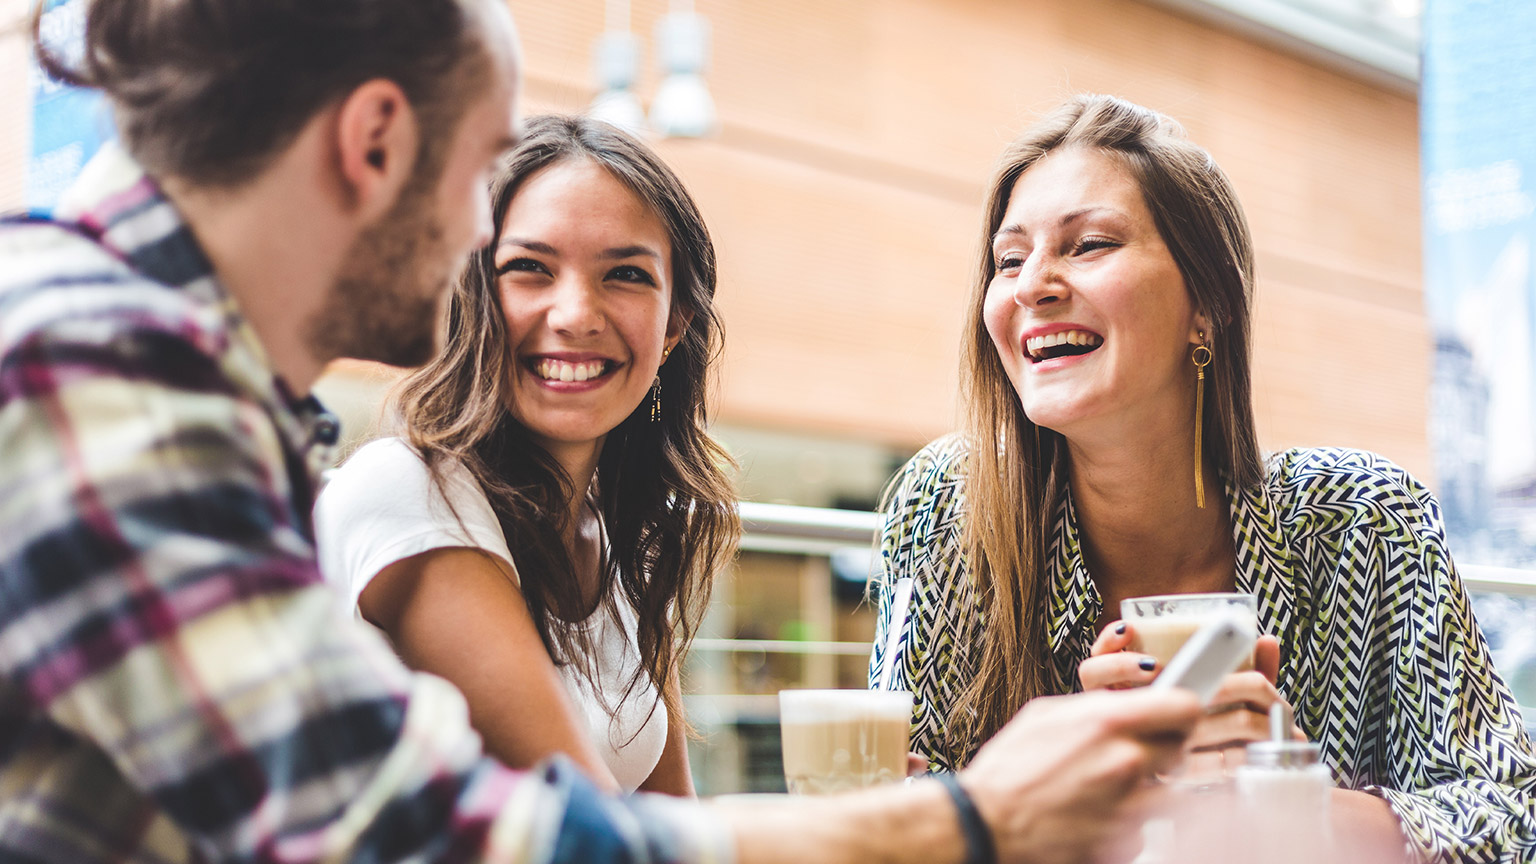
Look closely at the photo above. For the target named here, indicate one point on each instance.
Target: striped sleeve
(922, 541)
(1463, 781)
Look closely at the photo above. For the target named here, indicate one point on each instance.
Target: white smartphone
(1210, 655)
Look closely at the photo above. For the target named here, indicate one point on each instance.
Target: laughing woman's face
(584, 274)
(1087, 310)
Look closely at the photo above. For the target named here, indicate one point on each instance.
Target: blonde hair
(1018, 472)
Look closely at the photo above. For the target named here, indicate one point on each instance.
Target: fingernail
(1120, 629)
(1147, 664)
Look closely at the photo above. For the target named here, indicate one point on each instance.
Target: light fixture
(683, 107)
(616, 60)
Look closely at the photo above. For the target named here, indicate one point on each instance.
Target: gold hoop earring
(1201, 357)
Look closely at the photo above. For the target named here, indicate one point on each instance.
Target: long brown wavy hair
(667, 505)
(1018, 472)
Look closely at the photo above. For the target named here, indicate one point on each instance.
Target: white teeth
(1037, 344)
(560, 370)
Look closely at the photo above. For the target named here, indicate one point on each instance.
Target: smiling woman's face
(1088, 311)
(584, 273)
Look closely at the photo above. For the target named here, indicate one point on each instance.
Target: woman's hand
(917, 764)
(1111, 667)
(1238, 712)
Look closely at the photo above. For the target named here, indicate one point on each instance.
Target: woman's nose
(1040, 282)
(576, 308)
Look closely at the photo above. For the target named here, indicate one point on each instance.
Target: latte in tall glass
(1161, 625)
(835, 740)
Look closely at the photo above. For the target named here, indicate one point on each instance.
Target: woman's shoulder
(394, 466)
(937, 468)
(387, 487)
(382, 472)
(925, 504)
(1329, 489)
(385, 504)
(387, 452)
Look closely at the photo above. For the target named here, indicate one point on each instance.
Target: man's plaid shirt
(176, 684)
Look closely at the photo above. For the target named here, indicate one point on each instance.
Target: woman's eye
(1090, 244)
(1009, 262)
(521, 265)
(629, 273)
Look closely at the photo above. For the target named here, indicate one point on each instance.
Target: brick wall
(844, 194)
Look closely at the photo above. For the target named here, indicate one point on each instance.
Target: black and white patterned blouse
(1380, 655)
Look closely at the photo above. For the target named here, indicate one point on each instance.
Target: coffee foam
(822, 706)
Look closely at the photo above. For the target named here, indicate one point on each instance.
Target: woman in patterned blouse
(1115, 248)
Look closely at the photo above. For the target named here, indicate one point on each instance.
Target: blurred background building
(842, 174)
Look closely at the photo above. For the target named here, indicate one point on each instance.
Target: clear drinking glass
(1160, 625)
(835, 740)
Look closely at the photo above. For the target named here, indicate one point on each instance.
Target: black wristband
(979, 846)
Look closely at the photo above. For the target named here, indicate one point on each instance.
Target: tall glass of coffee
(1160, 625)
(835, 740)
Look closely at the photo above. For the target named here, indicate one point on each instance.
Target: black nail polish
(1147, 664)
(1120, 629)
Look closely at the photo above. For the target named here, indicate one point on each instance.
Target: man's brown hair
(209, 91)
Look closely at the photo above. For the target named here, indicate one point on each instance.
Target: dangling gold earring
(1202, 358)
(656, 389)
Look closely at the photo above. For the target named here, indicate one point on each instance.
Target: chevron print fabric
(1380, 654)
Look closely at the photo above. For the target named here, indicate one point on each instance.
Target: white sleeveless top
(382, 507)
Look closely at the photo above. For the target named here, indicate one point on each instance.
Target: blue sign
(68, 124)
(1478, 105)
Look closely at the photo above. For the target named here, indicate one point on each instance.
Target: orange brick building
(844, 186)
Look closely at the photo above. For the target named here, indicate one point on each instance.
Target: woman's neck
(583, 534)
(579, 462)
(1141, 530)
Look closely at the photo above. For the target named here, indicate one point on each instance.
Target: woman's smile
(571, 375)
(1087, 308)
(584, 272)
(1054, 346)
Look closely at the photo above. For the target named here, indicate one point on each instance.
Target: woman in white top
(544, 530)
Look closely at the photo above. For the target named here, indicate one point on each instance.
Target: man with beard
(299, 180)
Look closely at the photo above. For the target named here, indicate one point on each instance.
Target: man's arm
(158, 602)
(1066, 778)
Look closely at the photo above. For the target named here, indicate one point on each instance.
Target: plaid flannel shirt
(176, 684)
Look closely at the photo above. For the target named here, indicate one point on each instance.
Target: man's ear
(377, 139)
